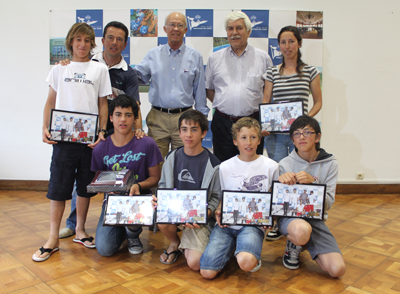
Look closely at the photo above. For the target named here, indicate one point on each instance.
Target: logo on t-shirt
(185, 176)
(78, 78)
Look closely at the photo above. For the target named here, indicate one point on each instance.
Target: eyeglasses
(173, 25)
(306, 134)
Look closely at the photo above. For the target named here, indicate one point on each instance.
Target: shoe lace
(134, 242)
(294, 251)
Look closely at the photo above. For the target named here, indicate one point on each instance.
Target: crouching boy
(307, 164)
(190, 167)
(247, 171)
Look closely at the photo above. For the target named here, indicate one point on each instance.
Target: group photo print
(246, 208)
(181, 206)
(76, 127)
(124, 210)
(278, 117)
(300, 200)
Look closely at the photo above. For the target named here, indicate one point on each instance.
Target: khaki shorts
(195, 239)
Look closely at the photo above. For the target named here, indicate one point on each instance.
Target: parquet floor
(367, 228)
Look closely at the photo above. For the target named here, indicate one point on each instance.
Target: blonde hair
(247, 122)
(79, 28)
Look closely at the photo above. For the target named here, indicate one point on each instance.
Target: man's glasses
(306, 134)
(173, 25)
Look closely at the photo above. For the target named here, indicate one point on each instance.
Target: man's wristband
(104, 131)
(140, 188)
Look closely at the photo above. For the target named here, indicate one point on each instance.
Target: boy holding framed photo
(123, 150)
(190, 167)
(247, 171)
(308, 164)
(82, 86)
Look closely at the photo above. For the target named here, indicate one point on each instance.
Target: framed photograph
(75, 127)
(278, 117)
(300, 200)
(181, 206)
(106, 181)
(124, 210)
(246, 208)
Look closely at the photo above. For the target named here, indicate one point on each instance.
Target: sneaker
(135, 246)
(273, 235)
(257, 267)
(65, 233)
(291, 256)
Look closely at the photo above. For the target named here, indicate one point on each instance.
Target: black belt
(236, 118)
(172, 110)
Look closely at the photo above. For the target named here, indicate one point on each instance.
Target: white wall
(361, 81)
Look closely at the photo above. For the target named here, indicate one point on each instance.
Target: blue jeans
(71, 220)
(278, 146)
(224, 240)
(110, 238)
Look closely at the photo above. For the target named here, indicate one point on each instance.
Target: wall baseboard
(340, 189)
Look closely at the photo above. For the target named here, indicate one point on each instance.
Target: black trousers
(223, 146)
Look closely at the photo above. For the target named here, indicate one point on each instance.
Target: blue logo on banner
(274, 51)
(126, 52)
(207, 141)
(200, 22)
(259, 22)
(94, 18)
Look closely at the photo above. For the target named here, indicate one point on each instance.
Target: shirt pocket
(254, 82)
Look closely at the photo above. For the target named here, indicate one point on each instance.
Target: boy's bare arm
(150, 182)
(50, 104)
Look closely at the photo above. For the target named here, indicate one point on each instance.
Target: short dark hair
(303, 121)
(118, 25)
(194, 116)
(124, 101)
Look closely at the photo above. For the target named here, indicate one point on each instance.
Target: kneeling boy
(247, 171)
(202, 166)
(307, 164)
(122, 150)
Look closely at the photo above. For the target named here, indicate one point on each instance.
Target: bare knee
(336, 270)
(246, 261)
(299, 232)
(208, 274)
(193, 263)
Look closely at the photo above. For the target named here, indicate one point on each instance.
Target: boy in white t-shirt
(247, 171)
(81, 86)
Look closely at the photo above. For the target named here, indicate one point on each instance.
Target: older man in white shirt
(234, 83)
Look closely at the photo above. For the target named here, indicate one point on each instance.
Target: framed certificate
(106, 181)
(122, 210)
(246, 208)
(181, 206)
(278, 117)
(300, 200)
(74, 127)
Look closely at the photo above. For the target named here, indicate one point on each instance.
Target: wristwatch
(104, 131)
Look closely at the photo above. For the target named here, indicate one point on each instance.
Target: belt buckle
(169, 111)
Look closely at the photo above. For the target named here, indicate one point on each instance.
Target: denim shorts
(321, 239)
(224, 240)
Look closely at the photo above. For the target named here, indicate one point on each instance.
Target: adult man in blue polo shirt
(176, 75)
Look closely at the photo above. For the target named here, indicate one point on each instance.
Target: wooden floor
(367, 228)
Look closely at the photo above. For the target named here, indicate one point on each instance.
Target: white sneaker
(65, 233)
(257, 267)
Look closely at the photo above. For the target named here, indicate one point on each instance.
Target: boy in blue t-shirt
(123, 150)
(71, 162)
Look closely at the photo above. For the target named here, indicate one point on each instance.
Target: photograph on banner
(92, 17)
(220, 43)
(199, 22)
(58, 51)
(107, 181)
(310, 24)
(181, 206)
(278, 117)
(144, 23)
(76, 127)
(122, 210)
(246, 208)
(300, 200)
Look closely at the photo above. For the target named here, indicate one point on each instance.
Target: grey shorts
(321, 239)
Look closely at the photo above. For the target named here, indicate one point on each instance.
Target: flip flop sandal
(44, 250)
(83, 240)
(176, 252)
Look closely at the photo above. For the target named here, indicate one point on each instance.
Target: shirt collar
(179, 51)
(121, 65)
(244, 53)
